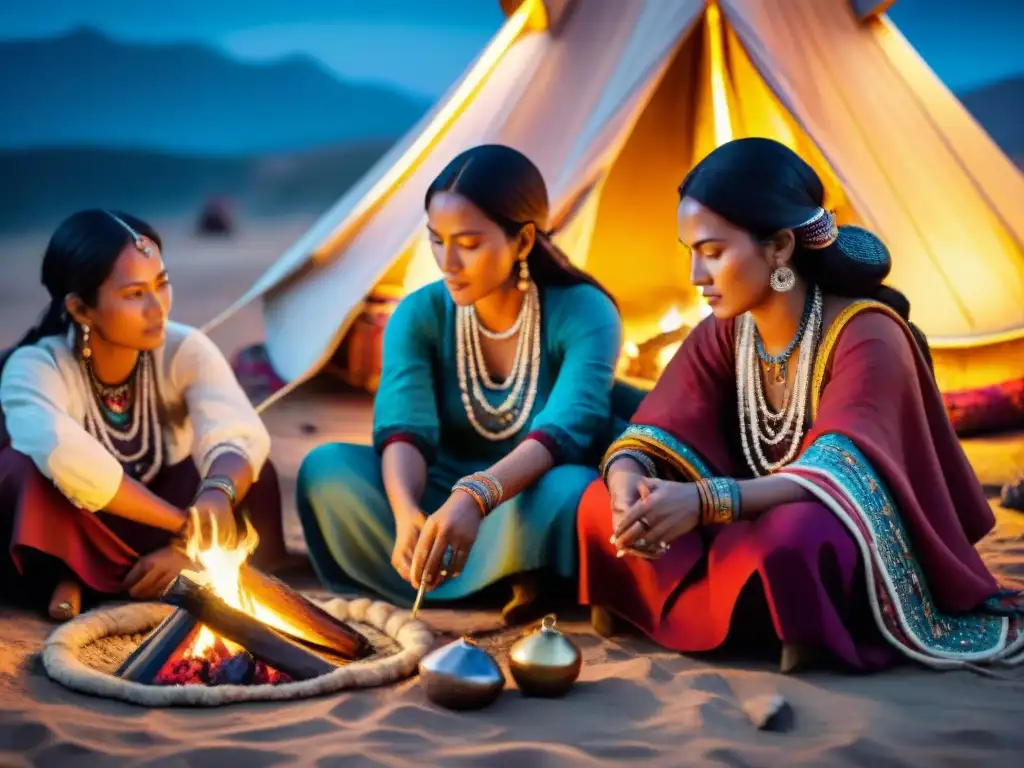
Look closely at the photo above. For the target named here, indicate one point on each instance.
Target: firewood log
(273, 648)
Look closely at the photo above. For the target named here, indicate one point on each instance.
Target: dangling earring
(783, 279)
(86, 349)
(524, 276)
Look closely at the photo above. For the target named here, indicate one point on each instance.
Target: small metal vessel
(461, 675)
(545, 662)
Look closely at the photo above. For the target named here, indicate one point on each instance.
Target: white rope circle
(63, 664)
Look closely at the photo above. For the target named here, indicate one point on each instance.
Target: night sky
(422, 46)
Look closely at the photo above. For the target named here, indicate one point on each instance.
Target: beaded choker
(115, 400)
(780, 362)
(141, 421)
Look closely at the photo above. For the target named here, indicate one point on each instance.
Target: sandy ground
(633, 705)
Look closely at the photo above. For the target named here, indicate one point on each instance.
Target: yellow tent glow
(615, 100)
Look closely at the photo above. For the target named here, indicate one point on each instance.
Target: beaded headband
(141, 243)
(818, 232)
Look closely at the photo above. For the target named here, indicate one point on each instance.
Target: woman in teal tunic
(494, 405)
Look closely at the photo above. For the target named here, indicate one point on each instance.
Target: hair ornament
(818, 232)
(141, 243)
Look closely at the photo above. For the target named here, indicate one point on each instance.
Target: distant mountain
(51, 183)
(84, 89)
(999, 107)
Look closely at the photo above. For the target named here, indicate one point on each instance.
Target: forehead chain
(140, 242)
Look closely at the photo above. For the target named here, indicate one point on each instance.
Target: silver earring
(86, 349)
(783, 279)
(523, 284)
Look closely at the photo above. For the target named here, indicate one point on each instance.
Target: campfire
(235, 625)
(648, 359)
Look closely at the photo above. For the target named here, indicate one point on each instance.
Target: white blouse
(43, 394)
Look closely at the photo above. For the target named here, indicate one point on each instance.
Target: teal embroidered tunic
(348, 524)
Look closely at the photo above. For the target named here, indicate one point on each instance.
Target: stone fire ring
(61, 657)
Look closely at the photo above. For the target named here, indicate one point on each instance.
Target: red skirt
(48, 538)
(794, 570)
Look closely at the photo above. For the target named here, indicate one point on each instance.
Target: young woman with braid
(117, 423)
(794, 470)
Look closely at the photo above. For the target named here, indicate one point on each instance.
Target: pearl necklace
(508, 333)
(758, 423)
(145, 418)
(511, 415)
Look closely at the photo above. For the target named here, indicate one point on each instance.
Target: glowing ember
(221, 573)
(220, 666)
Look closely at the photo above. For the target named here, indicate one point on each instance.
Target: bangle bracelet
(475, 496)
(484, 487)
(639, 457)
(720, 500)
(493, 484)
(221, 483)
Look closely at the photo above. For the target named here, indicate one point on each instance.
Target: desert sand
(633, 704)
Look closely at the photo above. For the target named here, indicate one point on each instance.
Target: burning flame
(221, 571)
(670, 321)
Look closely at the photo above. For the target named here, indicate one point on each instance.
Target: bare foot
(603, 621)
(796, 658)
(520, 609)
(66, 601)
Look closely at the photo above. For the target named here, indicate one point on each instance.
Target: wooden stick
(319, 628)
(149, 658)
(265, 643)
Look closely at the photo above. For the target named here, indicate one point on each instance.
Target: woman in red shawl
(795, 451)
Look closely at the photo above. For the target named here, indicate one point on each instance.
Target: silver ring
(644, 524)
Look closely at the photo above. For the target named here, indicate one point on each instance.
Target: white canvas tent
(616, 99)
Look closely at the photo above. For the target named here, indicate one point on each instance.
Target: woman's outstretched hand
(153, 573)
(665, 511)
(454, 525)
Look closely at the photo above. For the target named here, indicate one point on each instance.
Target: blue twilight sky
(422, 46)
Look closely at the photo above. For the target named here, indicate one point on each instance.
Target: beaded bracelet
(639, 457)
(484, 488)
(720, 500)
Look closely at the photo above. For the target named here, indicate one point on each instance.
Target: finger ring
(65, 608)
(640, 543)
(643, 522)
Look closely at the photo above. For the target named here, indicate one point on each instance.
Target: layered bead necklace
(509, 417)
(761, 427)
(126, 412)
